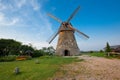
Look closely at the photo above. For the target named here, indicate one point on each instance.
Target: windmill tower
(67, 45)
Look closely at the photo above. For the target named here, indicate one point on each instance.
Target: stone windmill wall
(67, 45)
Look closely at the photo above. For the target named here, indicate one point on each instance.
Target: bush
(7, 58)
(91, 51)
(37, 53)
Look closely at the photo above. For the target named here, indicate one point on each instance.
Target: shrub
(91, 51)
(37, 53)
(7, 58)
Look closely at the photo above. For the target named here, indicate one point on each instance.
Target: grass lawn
(29, 70)
(98, 54)
(101, 54)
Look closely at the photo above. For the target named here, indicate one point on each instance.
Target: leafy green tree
(26, 49)
(101, 51)
(44, 51)
(51, 50)
(37, 53)
(107, 49)
(9, 46)
(91, 51)
(12, 47)
(48, 50)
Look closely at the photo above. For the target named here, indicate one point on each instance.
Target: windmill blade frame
(55, 18)
(53, 37)
(81, 33)
(72, 15)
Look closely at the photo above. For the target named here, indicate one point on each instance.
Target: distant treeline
(13, 47)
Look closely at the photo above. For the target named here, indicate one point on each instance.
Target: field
(90, 66)
(29, 70)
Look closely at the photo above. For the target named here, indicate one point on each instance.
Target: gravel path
(92, 68)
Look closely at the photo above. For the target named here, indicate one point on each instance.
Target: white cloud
(35, 5)
(13, 21)
(39, 45)
(20, 3)
(4, 21)
(8, 9)
(35, 25)
(32, 3)
(1, 16)
(2, 7)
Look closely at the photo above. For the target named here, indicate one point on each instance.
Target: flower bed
(20, 58)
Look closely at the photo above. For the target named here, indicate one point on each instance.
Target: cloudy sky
(27, 21)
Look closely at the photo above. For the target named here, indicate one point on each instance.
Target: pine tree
(107, 49)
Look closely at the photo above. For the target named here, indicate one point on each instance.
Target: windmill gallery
(67, 45)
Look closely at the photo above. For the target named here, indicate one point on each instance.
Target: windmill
(67, 45)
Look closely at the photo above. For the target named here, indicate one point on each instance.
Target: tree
(51, 50)
(37, 53)
(48, 50)
(101, 51)
(9, 46)
(24, 49)
(12, 47)
(107, 49)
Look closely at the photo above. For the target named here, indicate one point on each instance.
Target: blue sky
(27, 21)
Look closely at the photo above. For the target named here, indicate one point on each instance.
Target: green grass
(100, 54)
(97, 54)
(29, 70)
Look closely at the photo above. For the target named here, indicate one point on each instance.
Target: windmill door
(66, 53)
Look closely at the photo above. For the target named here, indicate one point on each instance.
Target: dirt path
(92, 68)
